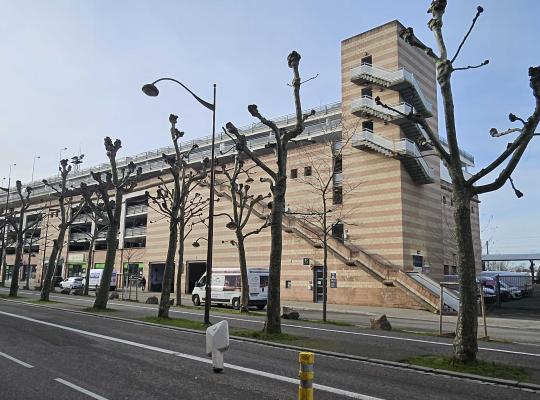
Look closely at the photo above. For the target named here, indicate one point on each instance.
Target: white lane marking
(80, 389)
(16, 360)
(329, 389)
(313, 328)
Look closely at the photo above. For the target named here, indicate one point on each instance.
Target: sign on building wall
(305, 261)
(74, 258)
(333, 279)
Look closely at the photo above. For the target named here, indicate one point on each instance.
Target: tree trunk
(465, 342)
(14, 288)
(325, 259)
(273, 319)
(165, 301)
(244, 283)
(4, 266)
(48, 282)
(89, 262)
(102, 293)
(180, 263)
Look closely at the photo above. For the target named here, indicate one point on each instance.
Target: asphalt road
(393, 346)
(75, 356)
(504, 332)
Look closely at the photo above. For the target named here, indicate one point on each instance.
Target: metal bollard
(305, 390)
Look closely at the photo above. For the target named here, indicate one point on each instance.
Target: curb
(376, 361)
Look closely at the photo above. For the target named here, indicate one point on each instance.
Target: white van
(95, 279)
(226, 287)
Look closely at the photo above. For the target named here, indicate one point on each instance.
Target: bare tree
(171, 203)
(278, 186)
(30, 235)
(191, 213)
(9, 240)
(67, 216)
(327, 185)
(119, 181)
(15, 218)
(243, 203)
(464, 190)
(97, 229)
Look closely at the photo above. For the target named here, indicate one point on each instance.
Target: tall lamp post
(150, 89)
(2, 263)
(28, 266)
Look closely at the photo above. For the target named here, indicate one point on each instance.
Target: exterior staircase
(401, 80)
(404, 149)
(421, 290)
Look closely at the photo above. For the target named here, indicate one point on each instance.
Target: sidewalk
(344, 312)
(370, 311)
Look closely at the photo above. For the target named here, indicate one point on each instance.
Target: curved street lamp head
(150, 90)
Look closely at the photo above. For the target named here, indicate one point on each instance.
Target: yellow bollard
(305, 390)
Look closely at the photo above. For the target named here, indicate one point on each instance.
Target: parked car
(57, 281)
(513, 292)
(73, 282)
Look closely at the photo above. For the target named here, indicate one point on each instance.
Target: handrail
(151, 160)
(393, 77)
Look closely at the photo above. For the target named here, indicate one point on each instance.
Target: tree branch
(479, 11)
(485, 62)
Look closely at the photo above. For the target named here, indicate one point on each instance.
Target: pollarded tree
(117, 182)
(172, 203)
(465, 189)
(97, 229)
(278, 185)
(16, 218)
(242, 203)
(192, 213)
(67, 214)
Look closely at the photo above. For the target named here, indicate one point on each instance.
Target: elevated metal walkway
(401, 80)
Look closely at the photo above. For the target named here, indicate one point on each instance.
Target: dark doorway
(367, 92)
(367, 60)
(317, 284)
(368, 125)
(156, 277)
(194, 272)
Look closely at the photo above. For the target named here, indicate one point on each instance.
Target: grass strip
(327, 322)
(98, 310)
(7, 296)
(483, 368)
(247, 333)
(222, 310)
(39, 301)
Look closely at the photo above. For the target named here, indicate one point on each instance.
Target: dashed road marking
(80, 389)
(16, 360)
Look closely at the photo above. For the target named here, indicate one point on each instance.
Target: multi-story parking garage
(395, 235)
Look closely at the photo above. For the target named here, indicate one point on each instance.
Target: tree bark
(273, 312)
(90, 260)
(48, 283)
(14, 288)
(465, 342)
(325, 257)
(165, 301)
(181, 239)
(102, 294)
(244, 282)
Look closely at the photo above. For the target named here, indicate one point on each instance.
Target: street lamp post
(28, 266)
(2, 263)
(151, 90)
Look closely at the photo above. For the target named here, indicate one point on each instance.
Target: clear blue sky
(72, 71)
